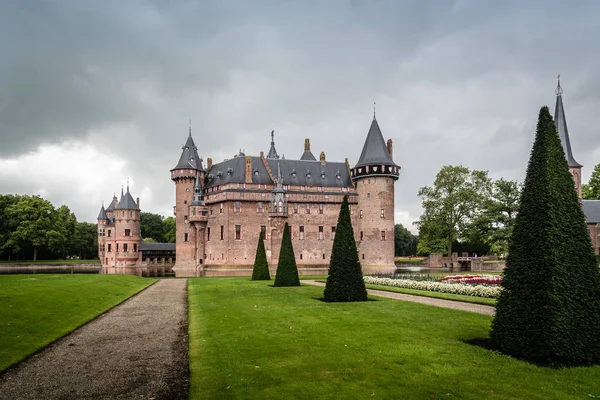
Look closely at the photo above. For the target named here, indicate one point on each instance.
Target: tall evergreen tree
(260, 272)
(548, 311)
(287, 270)
(345, 281)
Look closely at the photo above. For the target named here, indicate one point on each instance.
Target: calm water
(419, 269)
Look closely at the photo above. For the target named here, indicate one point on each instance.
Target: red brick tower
(374, 176)
(127, 232)
(184, 175)
(102, 222)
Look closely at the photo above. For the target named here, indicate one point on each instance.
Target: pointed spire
(375, 150)
(561, 127)
(102, 214)
(198, 198)
(189, 156)
(272, 151)
(127, 184)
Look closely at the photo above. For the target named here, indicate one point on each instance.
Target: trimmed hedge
(549, 309)
(260, 272)
(345, 281)
(287, 270)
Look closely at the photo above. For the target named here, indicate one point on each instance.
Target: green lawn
(38, 309)
(51, 262)
(250, 340)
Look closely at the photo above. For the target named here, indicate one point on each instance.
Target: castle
(221, 210)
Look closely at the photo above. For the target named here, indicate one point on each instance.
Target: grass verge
(250, 340)
(39, 309)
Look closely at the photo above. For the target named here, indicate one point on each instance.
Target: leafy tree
(455, 198)
(287, 270)
(85, 241)
(62, 231)
(169, 229)
(591, 190)
(151, 226)
(34, 218)
(7, 225)
(345, 281)
(260, 272)
(548, 310)
(149, 240)
(403, 241)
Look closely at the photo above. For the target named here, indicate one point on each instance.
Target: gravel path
(430, 301)
(138, 350)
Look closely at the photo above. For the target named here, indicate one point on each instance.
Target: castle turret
(127, 231)
(561, 127)
(102, 221)
(272, 151)
(198, 217)
(374, 176)
(188, 170)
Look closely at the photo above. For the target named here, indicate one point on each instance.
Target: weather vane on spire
(374, 103)
(190, 128)
(559, 89)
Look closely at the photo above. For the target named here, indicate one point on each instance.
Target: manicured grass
(38, 309)
(52, 262)
(437, 295)
(253, 341)
(414, 260)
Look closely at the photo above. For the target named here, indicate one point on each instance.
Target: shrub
(548, 311)
(260, 272)
(345, 281)
(287, 270)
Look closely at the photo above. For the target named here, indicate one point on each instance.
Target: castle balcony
(198, 214)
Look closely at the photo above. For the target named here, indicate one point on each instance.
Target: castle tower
(198, 217)
(102, 221)
(184, 175)
(127, 232)
(561, 126)
(374, 176)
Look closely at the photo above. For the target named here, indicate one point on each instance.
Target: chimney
(322, 158)
(307, 144)
(248, 169)
(262, 154)
(209, 163)
(389, 147)
(138, 203)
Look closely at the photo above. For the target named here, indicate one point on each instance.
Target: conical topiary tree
(549, 310)
(260, 272)
(345, 281)
(287, 270)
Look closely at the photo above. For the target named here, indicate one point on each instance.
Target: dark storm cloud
(455, 82)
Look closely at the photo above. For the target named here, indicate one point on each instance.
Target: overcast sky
(93, 92)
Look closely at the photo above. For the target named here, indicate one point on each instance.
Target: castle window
(238, 206)
(307, 208)
(263, 231)
(193, 210)
(185, 237)
(295, 208)
(323, 256)
(360, 214)
(109, 233)
(301, 256)
(211, 211)
(117, 247)
(222, 232)
(260, 207)
(302, 187)
(320, 233)
(382, 214)
(301, 233)
(361, 236)
(332, 232)
(208, 234)
(382, 235)
(109, 248)
(221, 209)
(185, 202)
(285, 187)
(368, 195)
(135, 247)
(363, 256)
(185, 217)
(238, 232)
(127, 232)
(321, 206)
(125, 247)
(320, 188)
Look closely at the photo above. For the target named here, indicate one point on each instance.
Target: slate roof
(111, 207)
(157, 246)
(189, 156)
(127, 202)
(561, 126)
(375, 150)
(102, 214)
(591, 209)
(293, 172)
(308, 156)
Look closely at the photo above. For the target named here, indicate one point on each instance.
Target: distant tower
(127, 231)
(184, 175)
(374, 176)
(102, 221)
(561, 126)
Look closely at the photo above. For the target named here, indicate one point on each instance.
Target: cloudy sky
(93, 92)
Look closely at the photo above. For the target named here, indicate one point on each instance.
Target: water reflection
(422, 269)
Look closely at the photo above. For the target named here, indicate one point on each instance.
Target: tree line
(31, 228)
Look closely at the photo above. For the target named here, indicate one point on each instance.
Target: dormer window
(255, 171)
(293, 173)
(219, 173)
(229, 171)
(338, 175)
(307, 174)
(210, 177)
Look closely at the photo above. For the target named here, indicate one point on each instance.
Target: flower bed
(442, 287)
(473, 279)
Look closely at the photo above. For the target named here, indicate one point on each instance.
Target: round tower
(184, 175)
(374, 176)
(127, 231)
